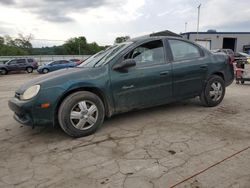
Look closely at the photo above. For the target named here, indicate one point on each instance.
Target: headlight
(30, 92)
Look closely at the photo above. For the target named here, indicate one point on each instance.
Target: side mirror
(124, 65)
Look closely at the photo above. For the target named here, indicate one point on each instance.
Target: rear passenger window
(21, 61)
(182, 50)
(149, 53)
(65, 62)
(30, 60)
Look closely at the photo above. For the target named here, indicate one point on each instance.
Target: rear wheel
(45, 71)
(81, 114)
(29, 69)
(4, 71)
(213, 92)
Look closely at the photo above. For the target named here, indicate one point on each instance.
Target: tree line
(21, 45)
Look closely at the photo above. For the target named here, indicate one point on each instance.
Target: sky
(103, 20)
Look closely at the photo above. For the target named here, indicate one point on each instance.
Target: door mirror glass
(124, 65)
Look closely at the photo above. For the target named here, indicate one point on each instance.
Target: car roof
(151, 38)
(146, 38)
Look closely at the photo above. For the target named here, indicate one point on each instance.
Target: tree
(1, 41)
(22, 46)
(75, 45)
(122, 39)
(17, 46)
(79, 46)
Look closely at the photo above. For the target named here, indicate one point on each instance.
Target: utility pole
(79, 48)
(186, 27)
(198, 23)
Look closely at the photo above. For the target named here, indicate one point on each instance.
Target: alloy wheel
(29, 70)
(84, 115)
(216, 91)
(45, 71)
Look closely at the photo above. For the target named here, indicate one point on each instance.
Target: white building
(237, 41)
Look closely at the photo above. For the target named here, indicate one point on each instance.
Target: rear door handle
(128, 87)
(203, 67)
(164, 73)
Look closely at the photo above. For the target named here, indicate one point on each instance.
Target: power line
(50, 40)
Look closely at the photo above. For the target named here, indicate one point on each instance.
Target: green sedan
(137, 74)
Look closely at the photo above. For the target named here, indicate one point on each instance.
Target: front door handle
(203, 67)
(164, 73)
(128, 87)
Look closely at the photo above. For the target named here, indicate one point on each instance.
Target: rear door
(189, 68)
(21, 64)
(55, 65)
(148, 83)
(63, 64)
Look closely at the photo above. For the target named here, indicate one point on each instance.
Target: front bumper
(31, 114)
(22, 111)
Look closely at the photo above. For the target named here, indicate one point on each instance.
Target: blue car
(55, 65)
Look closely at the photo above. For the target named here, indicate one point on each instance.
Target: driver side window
(12, 62)
(150, 53)
(55, 63)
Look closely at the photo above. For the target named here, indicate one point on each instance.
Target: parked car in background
(242, 56)
(56, 65)
(22, 64)
(128, 76)
(229, 52)
(81, 62)
(77, 61)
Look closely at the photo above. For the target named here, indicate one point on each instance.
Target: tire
(45, 71)
(77, 116)
(210, 96)
(29, 69)
(4, 71)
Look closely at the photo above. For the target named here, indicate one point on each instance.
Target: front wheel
(4, 71)
(45, 71)
(213, 92)
(81, 114)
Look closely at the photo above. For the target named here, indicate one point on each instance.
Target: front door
(189, 68)
(148, 83)
(12, 65)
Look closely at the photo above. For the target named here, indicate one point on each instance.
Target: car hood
(61, 77)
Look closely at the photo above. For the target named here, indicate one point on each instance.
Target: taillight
(231, 60)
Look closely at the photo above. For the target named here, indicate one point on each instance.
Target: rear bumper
(229, 75)
(228, 83)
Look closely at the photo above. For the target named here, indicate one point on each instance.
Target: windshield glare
(104, 56)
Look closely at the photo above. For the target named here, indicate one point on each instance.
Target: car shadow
(51, 134)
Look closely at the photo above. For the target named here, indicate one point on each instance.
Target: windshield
(104, 56)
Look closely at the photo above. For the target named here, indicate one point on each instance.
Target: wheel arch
(5, 68)
(29, 67)
(221, 74)
(97, 91)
